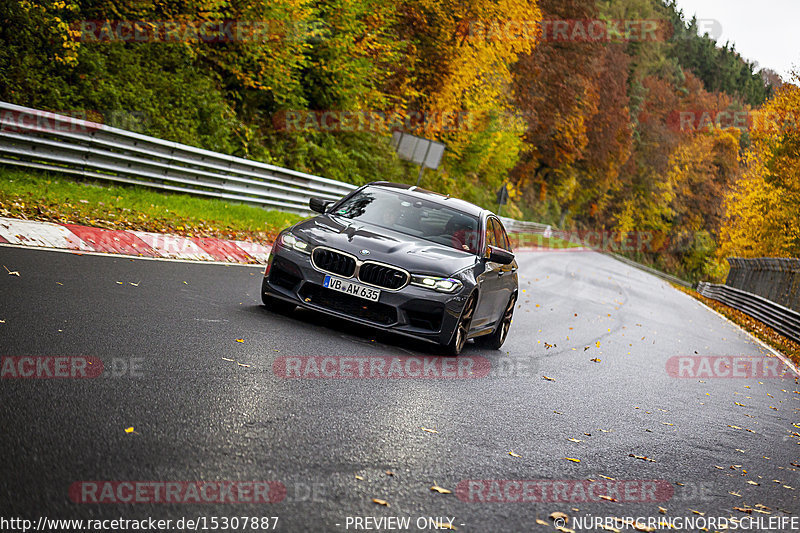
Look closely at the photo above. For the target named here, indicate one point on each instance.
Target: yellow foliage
(763, 208)
(474, 77)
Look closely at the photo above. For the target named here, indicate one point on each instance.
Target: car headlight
(448, 285)
(290, 241)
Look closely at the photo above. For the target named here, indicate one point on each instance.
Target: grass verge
(786, 346)
(55, 198)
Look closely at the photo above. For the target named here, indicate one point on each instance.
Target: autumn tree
(763, 209)
(556, 93)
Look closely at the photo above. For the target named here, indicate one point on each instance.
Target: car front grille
(348, 304)
(382, 276)
(334, 262)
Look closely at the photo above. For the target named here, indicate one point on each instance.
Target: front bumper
(413, 311)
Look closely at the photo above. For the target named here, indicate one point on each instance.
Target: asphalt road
(205, 407)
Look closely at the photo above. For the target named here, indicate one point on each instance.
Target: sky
(767, 31)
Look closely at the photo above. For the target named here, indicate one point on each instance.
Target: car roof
(424, 194)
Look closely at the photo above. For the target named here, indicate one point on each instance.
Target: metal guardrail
(775, 278)
(653, 271)
(57, 143)
(519, 226)
(776, 316)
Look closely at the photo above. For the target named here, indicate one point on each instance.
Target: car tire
(496, 338)
(459, 339)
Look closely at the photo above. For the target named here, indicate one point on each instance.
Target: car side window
(499, 235)
(490, 235)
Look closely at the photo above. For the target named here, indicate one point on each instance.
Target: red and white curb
(145, 244)
(132, 243)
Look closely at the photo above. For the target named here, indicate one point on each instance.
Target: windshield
(412, 216)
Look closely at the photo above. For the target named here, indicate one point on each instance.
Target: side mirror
(498, 255)
(319, 205)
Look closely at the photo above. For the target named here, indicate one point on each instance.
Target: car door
(508, 274)
(490, 281)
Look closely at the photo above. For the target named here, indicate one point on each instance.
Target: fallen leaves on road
(555, 515)
(744, 429)
(423, 428)
(11, 273)
(239, 340)
(574, 440)
(512, 454)
(440, 490)
(226, 359)
(242, 364)
(381, 502)
(547, 378)
(572, 459)
(595, 360)
(359, 478)
(642, 457)
(440, 525)
(607, 498)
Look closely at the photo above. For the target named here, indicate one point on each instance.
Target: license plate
(354, 289)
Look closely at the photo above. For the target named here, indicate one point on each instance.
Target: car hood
(386, 246)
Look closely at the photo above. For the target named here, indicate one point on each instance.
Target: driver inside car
(463, 234)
